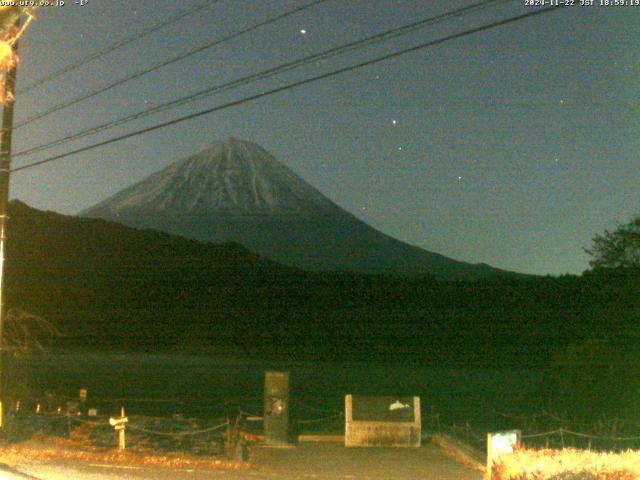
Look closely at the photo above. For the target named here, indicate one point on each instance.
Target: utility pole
(5, 169)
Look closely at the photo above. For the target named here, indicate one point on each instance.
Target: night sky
(512, 146)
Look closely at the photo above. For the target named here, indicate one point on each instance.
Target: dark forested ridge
(113, 287)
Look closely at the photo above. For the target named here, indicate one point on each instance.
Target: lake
(200, 386)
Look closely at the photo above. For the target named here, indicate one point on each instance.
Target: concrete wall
(381, 433)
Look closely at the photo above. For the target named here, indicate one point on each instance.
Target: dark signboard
(276, 408)
(383, 409)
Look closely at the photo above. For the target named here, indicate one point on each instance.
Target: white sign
(505, 442)
(118, 421)
(397, 405)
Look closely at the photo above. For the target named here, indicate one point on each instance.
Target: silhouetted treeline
(112, 287)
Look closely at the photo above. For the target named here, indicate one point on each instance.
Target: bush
(567, 464)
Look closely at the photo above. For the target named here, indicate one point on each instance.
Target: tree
(617, 249)
(26, 333)
(592, 379)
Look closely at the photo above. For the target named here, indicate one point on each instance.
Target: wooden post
(5, 168)
(489, 455)
(348, 420)
(119, 425)
(121, 438)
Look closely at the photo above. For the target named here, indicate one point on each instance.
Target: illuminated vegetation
(568, 464)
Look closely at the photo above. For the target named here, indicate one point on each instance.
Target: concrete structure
(382, 421)
(276, 408)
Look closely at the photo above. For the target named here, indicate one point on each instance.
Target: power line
(290, 86)
(153, 68)
(326, 54)
(119, 44)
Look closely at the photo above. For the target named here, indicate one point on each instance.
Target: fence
(545, 430)
(209, 433)
(224, 431)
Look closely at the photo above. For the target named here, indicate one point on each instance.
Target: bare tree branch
(26, 333)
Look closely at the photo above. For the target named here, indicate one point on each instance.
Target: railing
(544, 430)
(225, 431)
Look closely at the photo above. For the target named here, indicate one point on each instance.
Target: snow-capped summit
(232, 176)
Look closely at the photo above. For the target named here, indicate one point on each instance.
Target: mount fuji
(237, 191)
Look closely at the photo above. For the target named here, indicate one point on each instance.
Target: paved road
(303, 462)
(327, 461)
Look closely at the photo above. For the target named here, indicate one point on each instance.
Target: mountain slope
(114, 285)
(236, 191)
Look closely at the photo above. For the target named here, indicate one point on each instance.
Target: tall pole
(5, 168)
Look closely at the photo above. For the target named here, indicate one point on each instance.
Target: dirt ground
(329, 461)
(321, 461)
